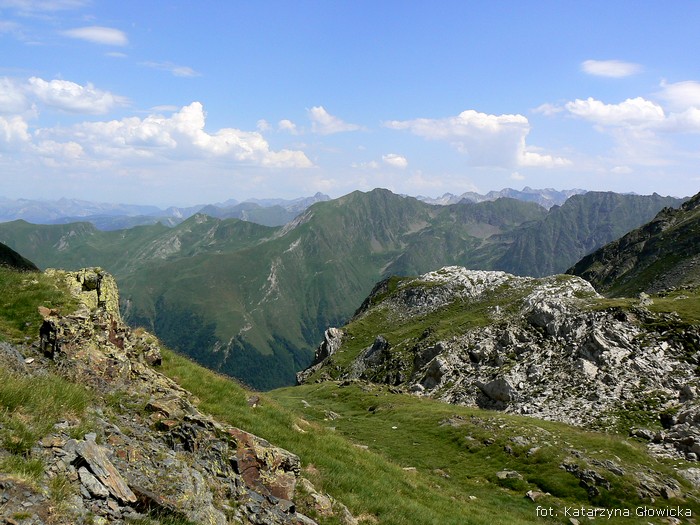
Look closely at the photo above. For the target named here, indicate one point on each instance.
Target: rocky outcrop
(149, 451)
(332, 339)
(542, 347)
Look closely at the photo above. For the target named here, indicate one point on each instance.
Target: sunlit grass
(21, 293)
(395, 458)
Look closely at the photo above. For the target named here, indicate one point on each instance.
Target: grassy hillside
(397, 459)
(582, 224)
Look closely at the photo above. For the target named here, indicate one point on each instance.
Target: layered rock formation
(144, 450)
(548, 348)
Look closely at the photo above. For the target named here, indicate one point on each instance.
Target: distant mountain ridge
(546, 197)
(252, 301)
(268, 212)
(108, 216)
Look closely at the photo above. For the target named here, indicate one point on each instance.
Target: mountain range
(268, 212)
(546, 197)
(106, 216)
(253, 301)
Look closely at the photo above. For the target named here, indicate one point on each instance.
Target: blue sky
(197, 102)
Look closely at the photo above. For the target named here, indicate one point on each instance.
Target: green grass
(686, 303)
(21, 294)
(391, 457)
(29, 407)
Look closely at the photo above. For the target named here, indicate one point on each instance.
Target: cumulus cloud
(610, 68)
(488, 140)
(687, 121)
(263, 125)
(681, 95)
(326, 124)
(72, 97)
(12, 96)
(173, 69)
(639, 118)
(395, 160)
(99, 35)
(13, 130)
(633, 111)
(182, 135)
(532, 159)
(287, 126)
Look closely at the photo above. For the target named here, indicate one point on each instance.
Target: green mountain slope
(582, 224)
(252, 301)
(11, 259)
(662, 254)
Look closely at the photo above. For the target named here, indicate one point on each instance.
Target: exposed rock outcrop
(149, 451)
(541, 347)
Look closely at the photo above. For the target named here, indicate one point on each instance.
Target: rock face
(151, 452)
(539, 347)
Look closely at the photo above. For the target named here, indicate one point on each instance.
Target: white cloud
(533, 159)
(687, 121)
(99, 35)
(13, 130)
(58, 154)
(263, 125)
(633, 111)
(116, 54)
(174, 69)
(166, 108)
(610, 68)
(548, 109)
(681, 95)
(12, 97)
(72, 97)
(394, 160)
(621, 170)
(371, 165)
(517, 176)
(287, 126)
(326, 124)
(640, 119)
(488, 140)
(182, 135)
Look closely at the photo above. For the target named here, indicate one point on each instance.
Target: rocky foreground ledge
(148, 451)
